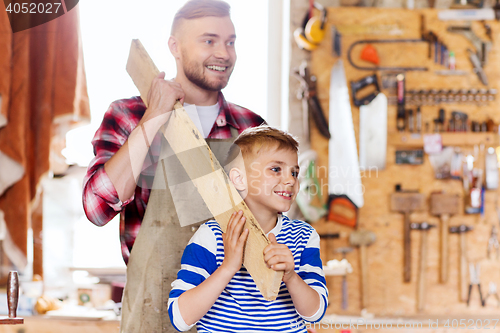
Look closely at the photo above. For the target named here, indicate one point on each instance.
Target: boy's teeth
(284, 194)
(217, 68)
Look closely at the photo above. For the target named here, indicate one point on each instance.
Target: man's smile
(221, 69)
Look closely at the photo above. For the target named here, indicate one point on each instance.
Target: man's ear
(173, 45)
(237, 177)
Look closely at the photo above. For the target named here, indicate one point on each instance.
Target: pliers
(474, 280)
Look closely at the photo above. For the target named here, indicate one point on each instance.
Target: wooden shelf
(413, 140)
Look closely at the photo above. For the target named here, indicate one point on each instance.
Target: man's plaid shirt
(100, 199)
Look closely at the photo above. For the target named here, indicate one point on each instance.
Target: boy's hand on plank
(279, 258)
(234, 242)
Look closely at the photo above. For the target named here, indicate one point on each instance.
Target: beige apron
(156, 255)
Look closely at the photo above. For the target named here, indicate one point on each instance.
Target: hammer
(327, 237)
(462, 229)
(344, 251)
(363, 238)
(424, 227)
(444, 205)
(406, 203)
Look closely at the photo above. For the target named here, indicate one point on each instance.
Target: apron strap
(234, 132)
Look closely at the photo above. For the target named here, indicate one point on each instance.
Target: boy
(212, 288)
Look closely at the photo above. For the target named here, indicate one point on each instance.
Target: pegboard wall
(387, 293)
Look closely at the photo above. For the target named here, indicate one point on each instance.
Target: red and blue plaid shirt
(100, 199)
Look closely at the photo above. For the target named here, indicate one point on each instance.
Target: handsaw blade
(373, 133)
(344, 175)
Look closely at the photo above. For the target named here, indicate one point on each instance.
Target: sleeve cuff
(315, 317)
(104, 188)
(179, 322)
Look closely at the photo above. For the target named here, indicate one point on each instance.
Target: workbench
(42, 324)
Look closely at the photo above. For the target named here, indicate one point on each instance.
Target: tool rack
(389, 295)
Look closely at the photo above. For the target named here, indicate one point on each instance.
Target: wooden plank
(215, 188)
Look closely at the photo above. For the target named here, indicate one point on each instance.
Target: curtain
(43, 95)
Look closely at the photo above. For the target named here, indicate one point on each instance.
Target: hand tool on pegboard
(482, 47)
(342, 151)
(478, 58)
(328, 237)
(401, 100)
(370, 54)
(493, 243)
(422, 267)
(383, 68)
(429, 37)
(444, 205)
(492, 291)
(462, 230)
(407, 203)
(362, 84)
(411, 157)
(420, 97)
(345, 295)
(496, 9)
(336, 42)
(474, 273)
(342, 210)
(491, 164)
(478, 69)
(372, 123)
(310, 103)
(362, 239)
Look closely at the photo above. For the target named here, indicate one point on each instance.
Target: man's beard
(195, 74)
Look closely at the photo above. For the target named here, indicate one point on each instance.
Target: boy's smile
(272, 183)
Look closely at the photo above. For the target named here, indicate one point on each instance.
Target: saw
(344, 175)
(373, 133)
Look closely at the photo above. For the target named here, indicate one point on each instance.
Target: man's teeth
(217, 68)
(284, 194)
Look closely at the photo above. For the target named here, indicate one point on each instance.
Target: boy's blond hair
(194, 9)
(255, 139)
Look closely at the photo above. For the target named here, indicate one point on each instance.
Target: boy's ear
(237, 177)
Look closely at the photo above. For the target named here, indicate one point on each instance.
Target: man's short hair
(254, 139)
(194, 9)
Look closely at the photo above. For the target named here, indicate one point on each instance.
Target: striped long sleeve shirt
(241, 307)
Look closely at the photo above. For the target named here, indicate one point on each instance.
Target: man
(202, 43)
